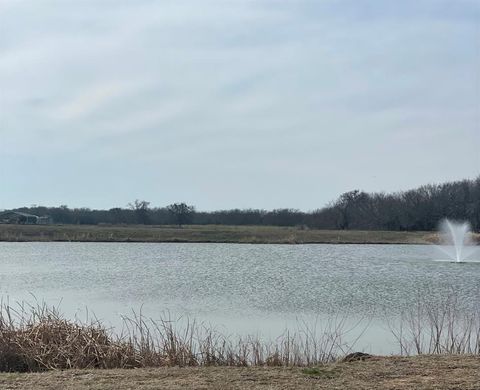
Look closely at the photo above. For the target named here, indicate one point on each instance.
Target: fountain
(456, 240)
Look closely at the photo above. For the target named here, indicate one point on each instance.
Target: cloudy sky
(234, 103)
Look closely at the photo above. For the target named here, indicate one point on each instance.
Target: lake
(239, 288)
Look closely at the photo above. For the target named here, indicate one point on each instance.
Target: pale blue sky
(227, 104)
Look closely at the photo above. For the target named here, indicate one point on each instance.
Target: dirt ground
(427, 372)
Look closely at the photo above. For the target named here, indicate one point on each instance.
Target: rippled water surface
(245, 287)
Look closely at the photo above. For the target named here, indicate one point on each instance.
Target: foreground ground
(209, 233)
(427, 372)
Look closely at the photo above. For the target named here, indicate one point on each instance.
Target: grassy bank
(385, 373)
(37, 338)
(209, 233)
(40, 349)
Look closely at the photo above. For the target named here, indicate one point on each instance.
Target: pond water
(259, 289)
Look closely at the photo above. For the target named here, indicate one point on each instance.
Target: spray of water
(456, 240)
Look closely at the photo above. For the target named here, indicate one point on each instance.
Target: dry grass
(419, 373)
(164, 354)
(209, 233)
(37, 338)
(438, 328)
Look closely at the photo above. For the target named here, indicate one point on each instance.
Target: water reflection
(254, 288)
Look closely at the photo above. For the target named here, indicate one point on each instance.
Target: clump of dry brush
(38, 337)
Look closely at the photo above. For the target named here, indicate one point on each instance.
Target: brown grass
(37, 338)
(164, 355)
(419, 373)
(209, 233)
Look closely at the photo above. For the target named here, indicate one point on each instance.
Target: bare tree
(181, 213)
(140, 207)
(346, 205)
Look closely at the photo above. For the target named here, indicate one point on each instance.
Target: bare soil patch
(420, 373)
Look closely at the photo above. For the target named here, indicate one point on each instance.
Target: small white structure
(20, 218)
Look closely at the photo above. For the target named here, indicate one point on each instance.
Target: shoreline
(207, 234)
(387, 373)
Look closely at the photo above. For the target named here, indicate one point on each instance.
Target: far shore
(207, 234)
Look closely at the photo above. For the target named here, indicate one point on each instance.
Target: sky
(234, 103)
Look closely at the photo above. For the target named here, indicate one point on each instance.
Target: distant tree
(181, 213)
(160, 216)
(343, 206)
(474, 206)
(117, 215)
(325, 218)
(140, 207)
(347, 205)
(284, 217)
(62, 214)
(421, 208)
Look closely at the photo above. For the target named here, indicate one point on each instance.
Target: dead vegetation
(439, 372)
(441, 327)
(38, 338)
(206, 233)
(40, 342)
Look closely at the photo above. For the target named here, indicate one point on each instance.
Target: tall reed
(38, 337)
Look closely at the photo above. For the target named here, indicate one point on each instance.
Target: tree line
(417, 209)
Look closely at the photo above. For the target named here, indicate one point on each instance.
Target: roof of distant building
(26, 215)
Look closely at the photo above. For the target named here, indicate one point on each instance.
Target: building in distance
(20, 218)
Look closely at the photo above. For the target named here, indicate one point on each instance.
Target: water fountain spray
(457, 240)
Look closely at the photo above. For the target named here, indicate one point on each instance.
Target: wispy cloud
(325, 95)
(90, 100)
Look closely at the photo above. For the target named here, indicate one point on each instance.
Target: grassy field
(420, 373)
(209, 233)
